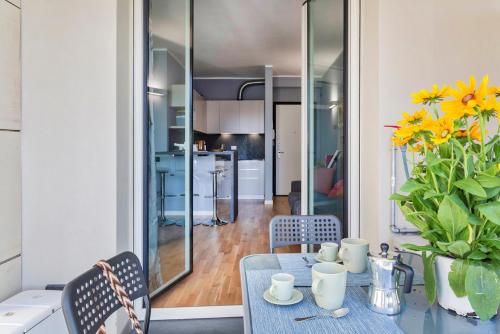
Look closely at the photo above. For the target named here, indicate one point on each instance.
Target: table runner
(292, 263)
(280, 319)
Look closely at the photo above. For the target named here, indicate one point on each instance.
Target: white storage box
(33, 312)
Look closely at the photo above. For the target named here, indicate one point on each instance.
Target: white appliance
(33, 312)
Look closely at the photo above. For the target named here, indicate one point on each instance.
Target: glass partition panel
(326, 108)
(168, 227)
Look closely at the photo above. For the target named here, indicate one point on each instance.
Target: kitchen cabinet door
(252, 116)
(251, 179)
(10, 66)
(10, 194)
(199, 112)
(10, 276)
(229, 116)
(213, 117)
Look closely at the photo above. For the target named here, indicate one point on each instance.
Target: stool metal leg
(162, 197)
(215, 219)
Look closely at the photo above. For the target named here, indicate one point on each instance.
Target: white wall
(10, 148)
(405, 46)
(69, 143)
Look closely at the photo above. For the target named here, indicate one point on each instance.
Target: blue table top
(417, 316)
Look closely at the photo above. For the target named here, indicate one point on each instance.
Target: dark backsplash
(250, 147)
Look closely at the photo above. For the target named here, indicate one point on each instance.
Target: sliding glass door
(326, 108)
(168, 143)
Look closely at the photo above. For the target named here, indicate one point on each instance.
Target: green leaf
(492, 192)
(412, 185)
(477, 255)
(419, 223)
(492, 242)
(432, 235)
(459, 248)
(488, 181)
(452, 216)
(431, 159)
(474, 220)
(443, 246)
(429, 277)
(471, 186)
(456, 277)
(484, 248)
(420, 248)
(398, 197)
(491, 211)
(495, 256)
(470, 164)
(431, 194)
(483, 290)
(491, 171)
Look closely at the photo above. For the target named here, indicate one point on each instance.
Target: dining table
(416, 317)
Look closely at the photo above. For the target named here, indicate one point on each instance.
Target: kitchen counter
(172, 164)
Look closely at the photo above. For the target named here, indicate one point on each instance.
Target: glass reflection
(326, 107)
(169, 129)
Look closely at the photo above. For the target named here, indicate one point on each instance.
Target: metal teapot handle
(408, 271)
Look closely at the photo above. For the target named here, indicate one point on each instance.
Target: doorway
(287, 146)
(256, 218)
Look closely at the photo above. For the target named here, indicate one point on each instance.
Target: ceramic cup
(328, 285)
(354, 254)
(329, 251)
(282, 286)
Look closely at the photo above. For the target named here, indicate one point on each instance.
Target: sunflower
(417, 118)
(474, 132)
(442, 130)
(466, 98)
(403, 135)
(489, 107)
(494, 91)
(428, 97)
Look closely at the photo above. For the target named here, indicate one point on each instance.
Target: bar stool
(163, 194)
(215, 219)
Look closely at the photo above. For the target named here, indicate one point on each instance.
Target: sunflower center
(444, 133)
(467, 98)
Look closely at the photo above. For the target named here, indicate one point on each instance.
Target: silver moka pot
(385, 269)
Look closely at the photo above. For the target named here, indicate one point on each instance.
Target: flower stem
(428, 169)
(483, 137)
(452, 167)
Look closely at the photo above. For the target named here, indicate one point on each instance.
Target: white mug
(328, 285)
(282, 286)
(329, 251)
(354, 254)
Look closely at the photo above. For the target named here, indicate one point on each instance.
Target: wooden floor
(217, 251)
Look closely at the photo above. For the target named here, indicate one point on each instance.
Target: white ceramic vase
(445, 295)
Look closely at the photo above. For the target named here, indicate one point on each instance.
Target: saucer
(319, 258)
(297, 297)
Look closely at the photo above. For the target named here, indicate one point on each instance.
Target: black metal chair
(88, 300)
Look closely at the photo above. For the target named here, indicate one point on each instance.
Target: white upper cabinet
(252, 116)
(10, 66)
(238, 117)
(229, 116)
(213, 119)
(200, 112)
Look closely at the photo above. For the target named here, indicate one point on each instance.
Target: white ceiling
(236, 38)
(239, 37)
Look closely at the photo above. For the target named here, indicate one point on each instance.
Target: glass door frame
(188, 148)
(351, 80)
(139, 74)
